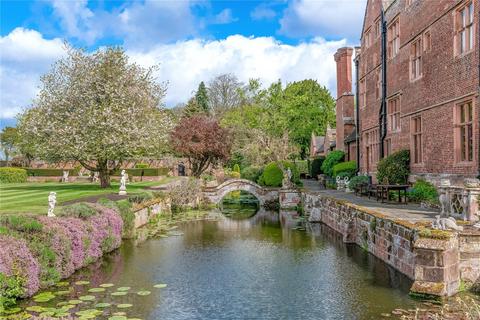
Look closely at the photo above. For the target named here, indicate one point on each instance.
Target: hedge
(316, 167)
(345, 169)
(13, 175)
(272, 175)
(50, 172)
(302, 166)
(147, 172)
(331, 160)
(395, 168)
(252, 173)
(356, 181)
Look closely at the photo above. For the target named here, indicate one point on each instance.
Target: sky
(191, 41)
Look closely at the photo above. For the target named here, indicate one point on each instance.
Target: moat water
(244, 269)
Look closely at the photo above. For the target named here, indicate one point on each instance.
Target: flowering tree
(202, 141)
(98, 109)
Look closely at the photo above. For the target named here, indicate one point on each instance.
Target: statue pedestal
(123, 191)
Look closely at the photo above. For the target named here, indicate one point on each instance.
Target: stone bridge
(216, 194)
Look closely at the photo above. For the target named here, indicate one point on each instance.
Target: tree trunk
(104, 176)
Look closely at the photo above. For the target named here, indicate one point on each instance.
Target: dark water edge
(246, 269)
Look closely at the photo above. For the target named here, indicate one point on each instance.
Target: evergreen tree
(201, 98)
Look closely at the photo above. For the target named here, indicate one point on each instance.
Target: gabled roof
(351, 137)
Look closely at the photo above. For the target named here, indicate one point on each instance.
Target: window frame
(394, 117)
(393, 41)
(416, 140)
(416, 59)
(465, 31)
(463, 156)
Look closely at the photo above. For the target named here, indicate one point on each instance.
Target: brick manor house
(417, 88)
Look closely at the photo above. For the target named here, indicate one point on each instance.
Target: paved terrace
(410, 212)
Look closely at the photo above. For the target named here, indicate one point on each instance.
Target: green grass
(32, 197)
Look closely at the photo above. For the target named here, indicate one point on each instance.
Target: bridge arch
(216, 194)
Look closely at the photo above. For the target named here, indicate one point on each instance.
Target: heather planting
(39, 251)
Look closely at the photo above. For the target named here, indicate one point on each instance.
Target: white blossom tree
(98, 109)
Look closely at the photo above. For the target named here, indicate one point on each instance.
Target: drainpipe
(357, 115)
(478, 97)
(383, 108)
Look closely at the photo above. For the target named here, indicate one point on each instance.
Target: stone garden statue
(52, 200)
(445, 224)
(65, 176)
(95, 176)
(123, 182)
(287, 179)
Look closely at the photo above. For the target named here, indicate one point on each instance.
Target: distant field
(32, 197)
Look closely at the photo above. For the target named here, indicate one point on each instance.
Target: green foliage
(345, 169)
(316, 166)
(50, 172)
(11, 287)
(21, 223)
(12, 175)
(252, 173)
(272, 175)
(141, 166)
(236, 168)
(207, 177)
(331, 160)
(395, 168)
(302, 166)
(145, 172)
(9, 141)
(128, 217)
(78, 210)
(356, 181)
(140, 197)
(423, 191)
(201, 97)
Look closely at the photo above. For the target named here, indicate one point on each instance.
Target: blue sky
(192, 41)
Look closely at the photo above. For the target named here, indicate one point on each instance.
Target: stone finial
(52, 201)
(445, 183)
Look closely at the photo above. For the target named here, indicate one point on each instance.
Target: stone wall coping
(434, 244)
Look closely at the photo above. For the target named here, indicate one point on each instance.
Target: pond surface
(246, 269)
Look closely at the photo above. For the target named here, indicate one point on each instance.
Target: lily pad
(89, 313)
(124, 305)
(62, 292)
(43, 297)
(82, 283)
(143, 293)
(123, 289)
(160, 286)
(102, 305)
(117, 318)
(106, 285)
(12, 310)
(47, 314)
(119, 313)
(96, 290)
(37, 309)
(119, 293)
(75, 302)
(62, 284)
(87, 298)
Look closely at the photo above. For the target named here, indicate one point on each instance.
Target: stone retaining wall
(437, 266)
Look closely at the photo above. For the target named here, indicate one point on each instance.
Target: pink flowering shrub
(55, 247)
(17, 260)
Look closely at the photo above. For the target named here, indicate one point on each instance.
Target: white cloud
(263, 12)
(339, 18)
(225, 16)
(24, 56)
(184, 64)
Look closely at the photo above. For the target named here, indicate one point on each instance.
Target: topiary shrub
(423, 191)
(252, 173)
(316, 167)
(141, 166)
(78, 210)
(345, 169)
(331, 160)
(236, 168)
(356, 181)
(395, 168)
(13, 175)
(272, 175)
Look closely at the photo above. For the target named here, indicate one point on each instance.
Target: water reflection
(253, 269)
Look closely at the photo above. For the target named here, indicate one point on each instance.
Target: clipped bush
(331, 160)
(345, 169)
(140, 197)
(252, 173)
(272, 175)
(78, 210)
(302, 166)
(51, 172)
(236, 168)
(144, 172)
(356, 181)
(316, 167)
(395, 168)
(141, 166)
(423, 191)
(13, 175)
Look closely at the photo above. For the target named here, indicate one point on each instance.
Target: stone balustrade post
(471, 194)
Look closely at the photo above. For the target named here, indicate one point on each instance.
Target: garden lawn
(33, 197)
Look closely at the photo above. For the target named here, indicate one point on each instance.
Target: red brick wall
(446, 80)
